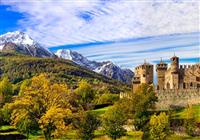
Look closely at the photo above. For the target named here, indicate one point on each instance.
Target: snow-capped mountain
(22, 43)
(105, 68)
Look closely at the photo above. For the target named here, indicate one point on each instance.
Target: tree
(107, 98)
(85, 92)
(113, 121)
(27, 125)
(24, 85)
(87, 123)
(159, 126)
(43, 104)
(143, 100)
(1, 118)
(6, 90)
(53, 122)
(189, 121)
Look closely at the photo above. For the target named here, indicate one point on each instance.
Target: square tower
(143, 75)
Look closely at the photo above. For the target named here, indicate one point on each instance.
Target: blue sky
(123, 31)
(8, 19)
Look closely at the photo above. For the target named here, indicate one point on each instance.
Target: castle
(174, 77)
(176, 84)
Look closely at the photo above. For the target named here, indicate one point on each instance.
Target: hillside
(19, 67)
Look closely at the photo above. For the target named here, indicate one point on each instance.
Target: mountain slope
(20, 67)
(105, 68)
(22, 43)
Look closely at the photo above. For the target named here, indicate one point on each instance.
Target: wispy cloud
(63, 22)
(132, 52)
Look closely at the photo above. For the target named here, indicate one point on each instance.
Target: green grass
(10, 133)
(177, 137)
(182, 114)
(6, 127)
(11, 130)
(133, 135)
(101, 111)
(36, 135)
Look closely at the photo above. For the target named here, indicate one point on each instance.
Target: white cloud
(133, 52)
(61, 22)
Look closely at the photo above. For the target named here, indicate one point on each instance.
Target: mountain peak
(106, 68)
(23, 44)
(17, 37)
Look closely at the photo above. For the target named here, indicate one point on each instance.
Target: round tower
(174, 64)
(161, 68)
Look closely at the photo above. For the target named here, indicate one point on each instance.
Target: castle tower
(172, 75)
(136, 83)
(143, 74)
(161, 68)
(174, 64)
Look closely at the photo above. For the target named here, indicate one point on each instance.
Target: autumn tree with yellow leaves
(42, 104)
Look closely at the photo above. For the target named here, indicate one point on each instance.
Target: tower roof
(161, 61)
(174, 57)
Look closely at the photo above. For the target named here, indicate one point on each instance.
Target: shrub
(159, 126)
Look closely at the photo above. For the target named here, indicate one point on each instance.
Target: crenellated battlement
(186, 67)
(161, 65)
(144, 66)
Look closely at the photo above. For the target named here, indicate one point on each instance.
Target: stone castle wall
(180, 97)
(171, 97)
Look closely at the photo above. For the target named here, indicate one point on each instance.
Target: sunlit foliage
(159, 126)
(43, 104)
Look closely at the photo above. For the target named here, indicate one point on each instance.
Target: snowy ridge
(105, 68)
(21, 42)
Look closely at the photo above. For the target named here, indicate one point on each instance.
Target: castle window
(184, 85)
(168, 86)
(198, 79)
(191, 85)
(143, 75)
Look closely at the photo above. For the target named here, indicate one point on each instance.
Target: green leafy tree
(27, 125)
(85, 92)
(159, 126)
(143, 100)
(1, 118)
(107, 98)
(87, 124)
(113, 121)
(6, 90)
(190, 121)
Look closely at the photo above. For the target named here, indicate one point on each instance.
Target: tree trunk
(47, 135)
